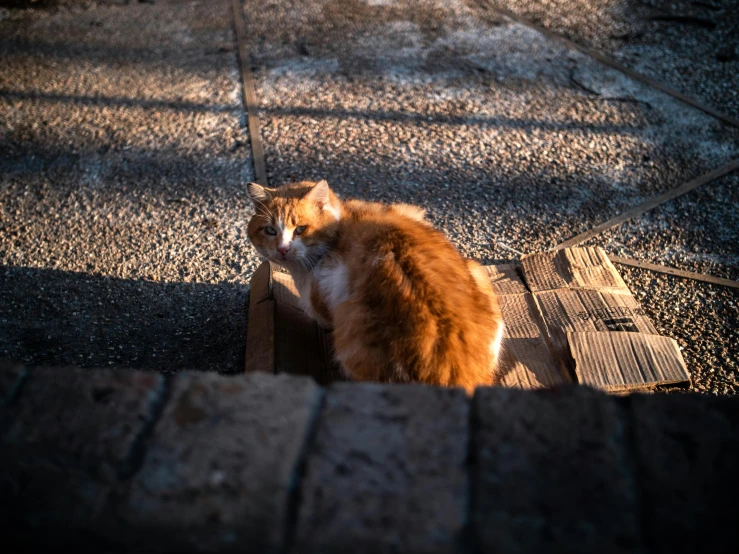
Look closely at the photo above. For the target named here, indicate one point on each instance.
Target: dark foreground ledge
(124, 461)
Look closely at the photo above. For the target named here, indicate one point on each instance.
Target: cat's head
(294, 225)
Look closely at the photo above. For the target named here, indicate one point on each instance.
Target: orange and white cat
(402, 302)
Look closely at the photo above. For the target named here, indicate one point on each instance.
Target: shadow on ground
(50, 317)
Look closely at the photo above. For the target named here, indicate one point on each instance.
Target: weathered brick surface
(553, 473)
(688, 461)
(220, 465)
(386, 472)
(71, 434)
(230, 466)
(83, 419)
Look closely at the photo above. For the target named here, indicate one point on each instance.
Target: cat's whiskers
(311, 259)
(306, 260)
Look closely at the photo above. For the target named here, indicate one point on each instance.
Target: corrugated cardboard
(572, 268)
(576, 320)
(595, 326)
(590, 310)
(282, 338)
(641, 363)
(260, 337)
(526, 360)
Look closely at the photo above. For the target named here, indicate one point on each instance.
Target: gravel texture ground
(123, 234)
(486, 123)
(692, 46)
(122, 210)
(510, 140)
(702, 318)
(697, 232)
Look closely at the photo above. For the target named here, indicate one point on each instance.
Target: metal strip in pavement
(675, 272)
(250, 99)
(650, 204)
(615, 65)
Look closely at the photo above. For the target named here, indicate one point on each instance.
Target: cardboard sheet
(575, 321)
(594, 324)
(260, 337)
(526, 360)
(281, 338)
(572, 268)
(567, 310)
(644, 361)
(505, 279)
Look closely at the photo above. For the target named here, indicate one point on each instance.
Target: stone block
(553, 472)
(386, 472)
(687, 450)
(89, 420)
(71, 435)
(221, 465)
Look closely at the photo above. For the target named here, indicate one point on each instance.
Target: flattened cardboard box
(282, 338)
(578, 320)
(526, 360)
(595, 325)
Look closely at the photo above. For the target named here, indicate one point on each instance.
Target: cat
(402, 303)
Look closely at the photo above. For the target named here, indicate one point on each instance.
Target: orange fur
(403, 304)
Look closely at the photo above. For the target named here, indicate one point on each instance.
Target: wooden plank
(650, 204)
(675, 272)
(250, 99)
(615, 65)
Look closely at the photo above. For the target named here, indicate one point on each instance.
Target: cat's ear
(258, 193)
(319, 194)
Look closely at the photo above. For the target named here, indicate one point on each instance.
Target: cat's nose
(282, 249)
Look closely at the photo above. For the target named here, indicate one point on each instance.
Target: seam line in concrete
(250, 98)
(294, 496)
(134, 458)
(675, 272)
(470, 537)
(650, 204)
(630, 444)
(615, 65)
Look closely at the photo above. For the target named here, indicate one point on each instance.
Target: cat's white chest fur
(304, 282)
(331, 277)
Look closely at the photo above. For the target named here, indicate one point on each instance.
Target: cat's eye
(300, 229)
(270, 230)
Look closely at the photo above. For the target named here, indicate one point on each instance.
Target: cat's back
(406, 306)
(385, 247)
